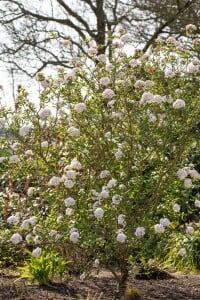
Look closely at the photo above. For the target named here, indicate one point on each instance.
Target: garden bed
(178, 287)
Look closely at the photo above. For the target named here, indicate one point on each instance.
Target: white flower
(13, 220)
(182, 252)
(28, 237)
(54, 181)
(32, 220)
(197, 203)
(126, 38)
(108, 94)
(187, 183)
(59, 219)
(116, 199)
(69, 211)
(157, 99)
(101, 58)
(80, 107)
(176, 208)
(68, 183)
(26, 224)
(70, 75)
(74, 236)
(118, 153)
(14, 159)
(107, 135)
(191, 27)
(99, 212)
(140, 232)
(159, 228)
(75, 164)
(104, 174)
(121, 220)
(139, 84)
(73, 131)
(28, 152)
(104, 81)
(45, 113)
(31, 190)
(71, 174)
(134, 63)
(104, 194)
(53, 232)
(24, 130)
(2, 122)
(92, 51)
(189, 230)
(192, 68)
(179, 103)
(16, 238)
(70, 201)
(165, 222)
(111, 183)
(2, 158)
(182, 174)
(169, 73)
(147, 97)
(44, 144)
(37, 240)
(109, 67)
(121, 237)
(116, 43)
(96, 263)
(37, 252)
(83, 276)
(194, 174)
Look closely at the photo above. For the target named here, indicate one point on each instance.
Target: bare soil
(103, 286)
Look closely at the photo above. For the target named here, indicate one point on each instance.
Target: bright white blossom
(121, 220)
(69, 211)
(104, 194)
(111, 183)
(75, 164)
(126, 38)
(37, 252)
(140, 232)
(31, 190)
(116, 199)
(147, 97)
(99, 212)
(71, 174)
(182, 174)
(92, 51)
(109, 67)
(101, 58)
(191, 27)
(16, 238)
(26, 224)
(104, 174)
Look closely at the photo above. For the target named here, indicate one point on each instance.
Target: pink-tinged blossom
(147, 97)
(165, 222)
(169, 73)
(191, 27)
(182, 174)
(109, 67)
(101, 58)
(13, 220)
(188, 183)
(126, 38)
(70, 75)
(191, 68)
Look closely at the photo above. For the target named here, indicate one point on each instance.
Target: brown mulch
(177, 287)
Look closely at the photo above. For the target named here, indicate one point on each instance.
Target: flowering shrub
(103, 159)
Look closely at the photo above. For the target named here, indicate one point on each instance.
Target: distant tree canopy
(30, 27)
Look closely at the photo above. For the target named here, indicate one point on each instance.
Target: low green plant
(44, 268)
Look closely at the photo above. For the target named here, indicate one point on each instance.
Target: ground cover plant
(103, 169)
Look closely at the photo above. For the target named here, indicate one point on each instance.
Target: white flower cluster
(140, 232)
(179, 103)
(80, 107)
(121, 237)
(37, 252)
(16, 238)
(45, 113)
(108, 94)
(186, 174)
(74, 235)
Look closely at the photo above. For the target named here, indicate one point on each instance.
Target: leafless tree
(30, 29)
